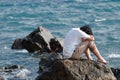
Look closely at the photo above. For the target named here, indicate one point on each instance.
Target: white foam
(23, 73)
(5, 47)
(79, 0)
(22, 51)
(114, 56)
(99, 20)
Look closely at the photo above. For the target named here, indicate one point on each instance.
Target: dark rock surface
(10, 68)
(17, 44)
(40, 40)
(47, 60)
(66, 69)
(116, 72)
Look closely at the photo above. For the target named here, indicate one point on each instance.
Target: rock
(31, 46)
(10, 68)
(39, 41)
(47, 60)
(17, 44)
(14, 72)
(66, 69)
(1, 78)
(116, 72)
(55, 45)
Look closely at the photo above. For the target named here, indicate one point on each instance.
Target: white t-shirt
(72, 40)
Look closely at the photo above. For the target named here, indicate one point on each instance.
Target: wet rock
(31, 46)
(17, 44)
(13, 67)
(55, 45)
(47, 60)
(116, 72)
(66, 69)
(10, 68)
(14, 72)
(39, 41)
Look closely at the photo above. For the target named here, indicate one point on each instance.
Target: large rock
(40, 40)
(66, 69)
(47, 60)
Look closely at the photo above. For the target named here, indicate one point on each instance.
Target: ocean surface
(18, 18)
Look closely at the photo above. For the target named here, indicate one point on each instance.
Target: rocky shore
(16, 72)
(53, 67)
(77, 70)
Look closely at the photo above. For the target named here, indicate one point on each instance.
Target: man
(78, 41)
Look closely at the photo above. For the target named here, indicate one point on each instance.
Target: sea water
(18, 18)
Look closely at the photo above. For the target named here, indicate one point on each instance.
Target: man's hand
(91, 38)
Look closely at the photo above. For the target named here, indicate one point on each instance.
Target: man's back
(72, 39)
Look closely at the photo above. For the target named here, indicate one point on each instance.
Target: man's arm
(91, 38)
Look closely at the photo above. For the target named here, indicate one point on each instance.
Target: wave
(99, 20)
(22, 74)
(114, 56)
(22, 51)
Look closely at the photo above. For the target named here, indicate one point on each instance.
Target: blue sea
(18, 18)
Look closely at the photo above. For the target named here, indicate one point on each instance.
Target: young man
(78, 41)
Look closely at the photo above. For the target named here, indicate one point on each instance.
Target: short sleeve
(83, 34)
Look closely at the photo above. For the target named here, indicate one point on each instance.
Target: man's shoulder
(75, 29)
(78, 30)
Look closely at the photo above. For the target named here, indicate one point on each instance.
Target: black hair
(86, 29)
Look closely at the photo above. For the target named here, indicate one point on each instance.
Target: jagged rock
(83, 69)
(47, 60)
(40, 40)
(14, 72)
(116, 72)
(17, 44)
(10, 68)
(31, 46)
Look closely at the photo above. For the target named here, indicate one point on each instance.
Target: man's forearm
(91, 38)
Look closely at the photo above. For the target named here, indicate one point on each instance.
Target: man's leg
(87, 53)
(96, 52)
(77, 54)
